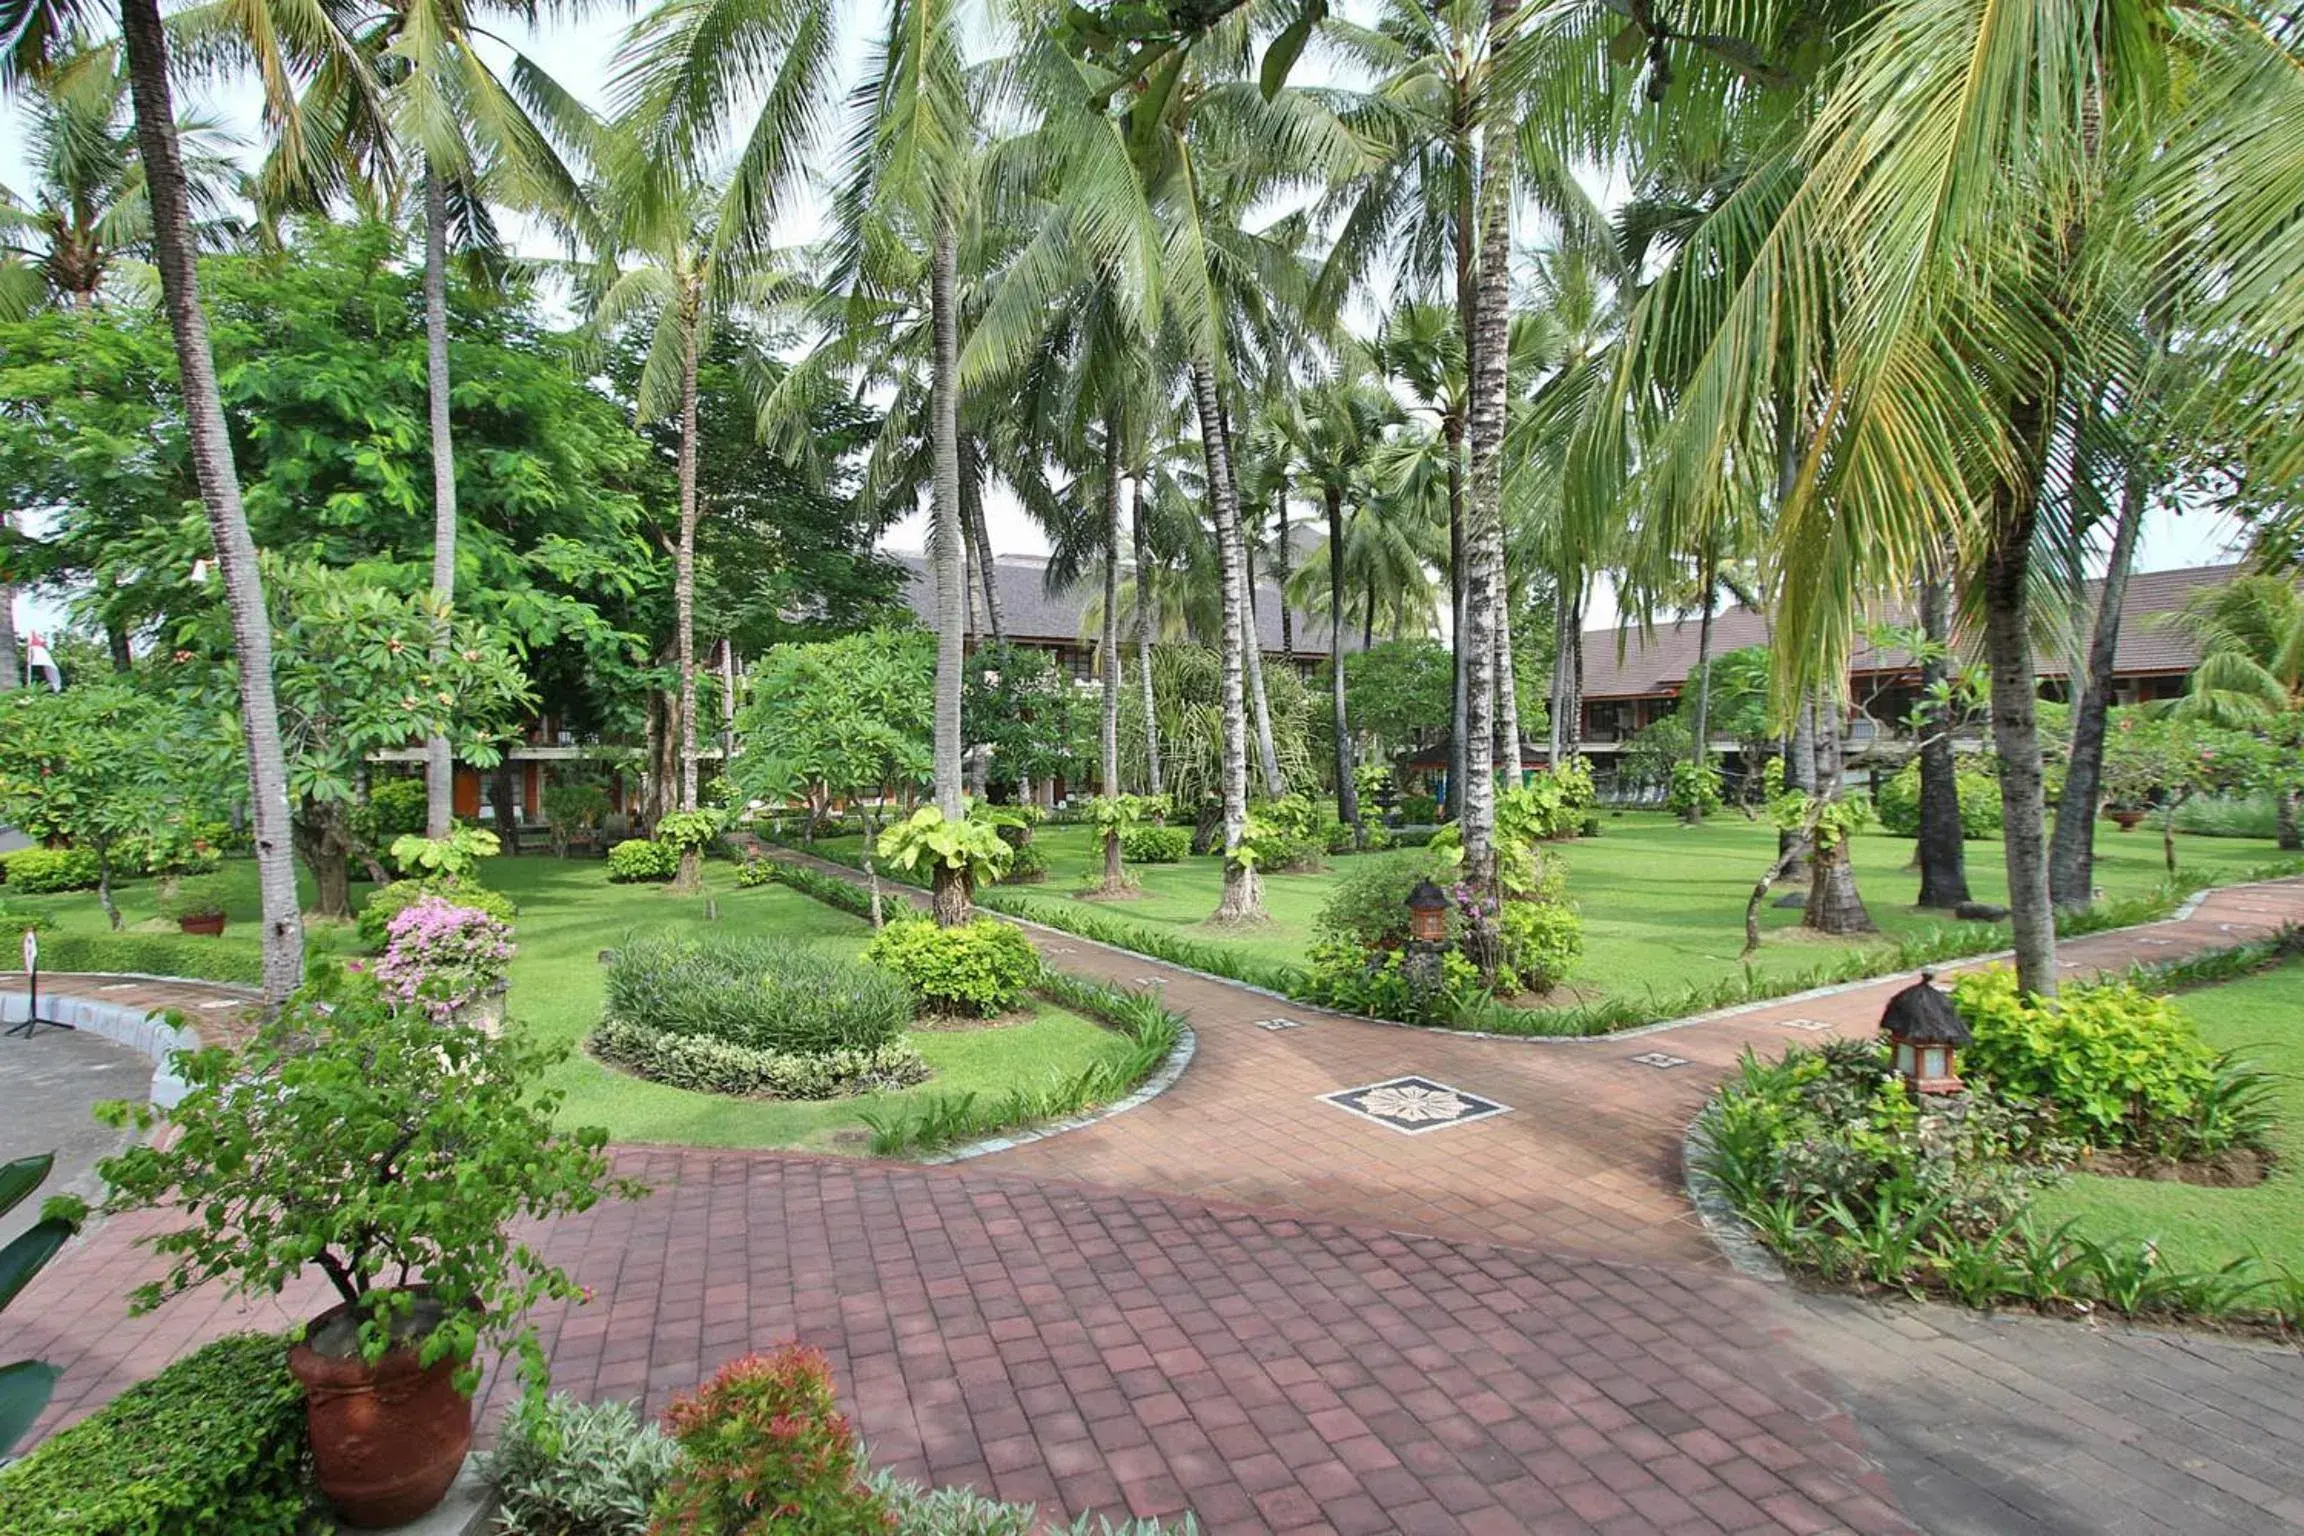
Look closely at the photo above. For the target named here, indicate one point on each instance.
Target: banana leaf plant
(25, 1385)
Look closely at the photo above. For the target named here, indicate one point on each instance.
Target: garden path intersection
(1362, 1278)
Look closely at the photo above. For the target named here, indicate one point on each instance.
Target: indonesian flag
(38, 659)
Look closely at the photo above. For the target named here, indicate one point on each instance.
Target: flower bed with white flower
(443, 958)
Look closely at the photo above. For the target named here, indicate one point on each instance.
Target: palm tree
(174, 252)
(88, 209)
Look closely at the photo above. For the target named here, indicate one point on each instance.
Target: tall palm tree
(174, 252)
(87, 209)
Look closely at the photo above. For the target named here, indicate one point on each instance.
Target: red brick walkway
(1209, 1302)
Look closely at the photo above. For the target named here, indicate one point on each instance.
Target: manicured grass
(2262, 1020)
(1663, 903)
(569, 913)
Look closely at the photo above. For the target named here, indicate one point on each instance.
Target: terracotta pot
(387, 1439)
(211, 925)
(2129, 820)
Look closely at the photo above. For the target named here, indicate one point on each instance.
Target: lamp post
(1927, 1032)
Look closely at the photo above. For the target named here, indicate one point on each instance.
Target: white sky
(579, 53)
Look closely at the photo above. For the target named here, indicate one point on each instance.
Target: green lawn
(1663, 902)
(569, 913)
(2262, 1019)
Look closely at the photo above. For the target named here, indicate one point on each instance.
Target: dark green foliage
(1392, 984)
(1028, 865)
(213, 1444)
(25, 1385)
(386, 902)
(973, 970)
(833, 891)
(707, 1064)
(1155, 845)
(396, 809)
(763, 994)
(637, 859)
(44, 871)
(755, 872)
(1898, 803)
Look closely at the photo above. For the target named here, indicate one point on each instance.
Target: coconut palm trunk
(980, 546)
(1834, 906)
(1484, 534)
(2015, 715)
(1460, 675)
(1700, 730)
(1941, 849)
(953, 899)
(219, 481)
(1242, 901)
(1144, 626)
(2072, 853)
(1108, 643)
(439, 764)
(684, 574)
(1507, 683)
(11, 657)
(1251, 643)
(1347, 793)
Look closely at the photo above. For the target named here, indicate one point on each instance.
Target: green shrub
(706, 1064)
(1695, 789)
(1028, 865)
(2114, 1065)
(396, 808)
(195, 896)
(767, 1452)
(154, 954)
(1419, 810)
(567, 1468)
(1369, 905)
(765, 994)
(973, 970)
(1155, 845)
(755, 872)
(44, 871)
(1541, 941)
(1898, 803)
(636, 859)
(682, 830)
(214, 1444)
(387, 902)
(1390, 984)
(1278, 852)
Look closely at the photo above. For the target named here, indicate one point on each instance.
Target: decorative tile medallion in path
(1415, 1105)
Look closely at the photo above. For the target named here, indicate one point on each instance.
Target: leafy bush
(764, 994)
(26, 1385)
(1898, 803)
(1369, 905)
(975, 969)
(214, 1443)
(44, 871)
(567, 1468)
(636, 859)
(2114, 1065)
(1028, 865)
(1541, 941)
(1419, 810)
(765, 1450)
(1338, 837)
(972, 845)
(1695, 789)
(1276, 851)
(1391, 984)
(151, 954)
(1155, 845)
(443, 957)
(755, 872)
(572, 808)
(396, 808)
(706, 1064)
(195, 896)
(683, 830)
(453, 857)
(326, 1141)
(387, 902)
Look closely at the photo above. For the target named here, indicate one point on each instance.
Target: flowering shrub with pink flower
(441, 957)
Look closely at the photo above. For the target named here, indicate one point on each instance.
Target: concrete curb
(146, 1032)
(1179, 1057)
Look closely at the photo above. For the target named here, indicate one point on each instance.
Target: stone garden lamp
(1927, 1032)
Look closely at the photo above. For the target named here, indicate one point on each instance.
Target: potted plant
(326, 1143)
(197, 904)
(447, 960)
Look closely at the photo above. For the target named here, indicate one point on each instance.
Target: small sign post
(32, 1020)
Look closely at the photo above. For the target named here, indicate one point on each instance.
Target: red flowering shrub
(767, 1452)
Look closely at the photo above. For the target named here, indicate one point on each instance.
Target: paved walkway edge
(148, 1033)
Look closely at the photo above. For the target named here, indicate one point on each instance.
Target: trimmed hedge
(154, 954)
(708, 1065)
(763, 994)
(44, 871)
(1155, 845)
(214, 1444)
(636, 859)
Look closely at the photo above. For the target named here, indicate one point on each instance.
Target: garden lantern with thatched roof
(1428, 914)
(1927, 1032)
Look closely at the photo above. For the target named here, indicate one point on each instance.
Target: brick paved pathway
(1210, 1303)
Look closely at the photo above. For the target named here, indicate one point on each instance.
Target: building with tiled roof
(1632, 679)
(1033, 615)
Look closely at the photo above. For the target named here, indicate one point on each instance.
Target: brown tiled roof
(1028, 611)
(1656, 664)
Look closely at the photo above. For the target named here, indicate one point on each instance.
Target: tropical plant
(975, 969)
(960, 854)
(765, 1449)
(26, 1385)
